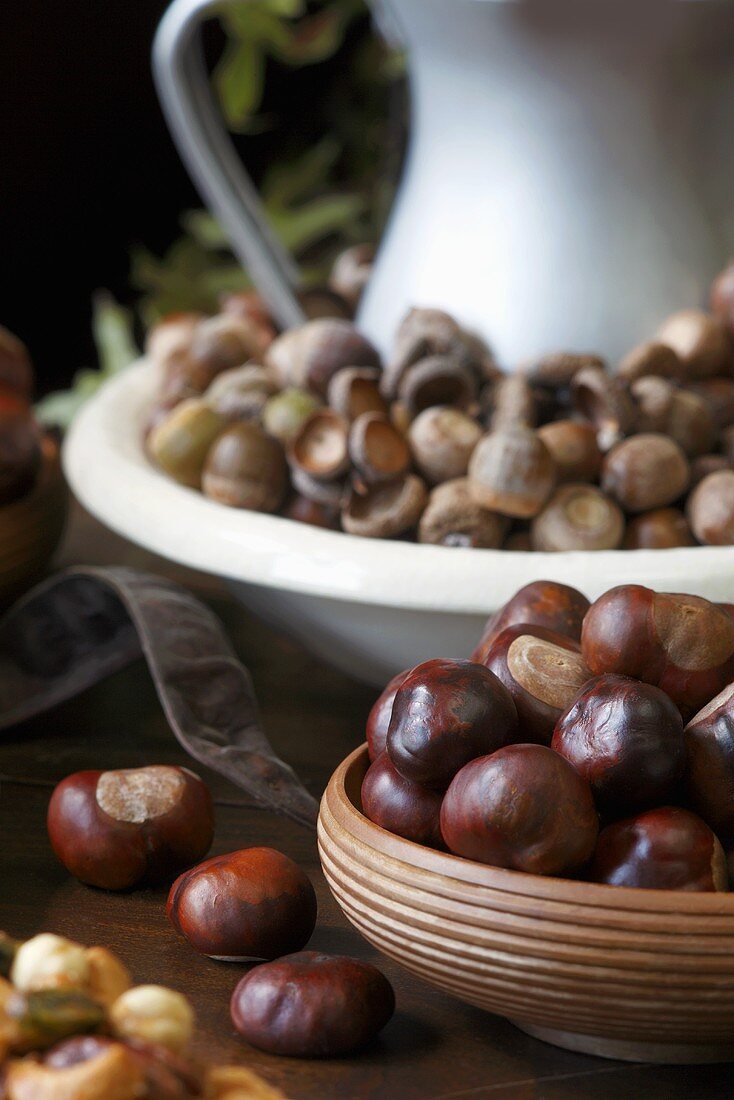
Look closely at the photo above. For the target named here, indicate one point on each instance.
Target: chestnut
(710, 753)
(710, 509)
(626, 738)
(646, 471)
(512, 472)
(573, 448)
(524, 807)
(378, 719)
(578, 517)
(682, 644)
(658, 530)
(20, 454)
(540, 603)
(445, 713)
(401, 807)
(668, 848)
(543, 672)
(310, 1005)
(16, 370)
(117, 829)
(252, 904)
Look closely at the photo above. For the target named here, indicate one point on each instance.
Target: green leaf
(288, 182)
(112, 328)
(310, 223)
(239, 81)
(314, 38)
(205, 229)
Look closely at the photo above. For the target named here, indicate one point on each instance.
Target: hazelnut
(436, 380)
(442, 440)
(549, 604)
(94, 1068)
(246, 468)
(351, 272)
(710, 752)
(572, 446)
(559, 369)
(401, 807)
(107, 979)
(718, 393)
(155, 1015)
(710, 509)
(660, 529)
(385, 511)
(116, 829)
(20, 454)
(309, 356)
(180, 442)
(242, 392)
(512, 472)
(445, 713)
(703, 465)
(543, 672)
(604, 401)
(453, 518)
(310, 1005)
(513, 403)
(681, 644)
(722, 298)
(16, 370)
(523, 807)
(50, 962)
(701, 341)
(650, 359)
(286, 412)
(355, 390)
(252, 904)
(664, 849)
(377, 449)
(646, 471)
(626, 739)
(578, 517)
(320, 448)
(378, 719)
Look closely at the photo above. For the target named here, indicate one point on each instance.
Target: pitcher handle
(208, 153)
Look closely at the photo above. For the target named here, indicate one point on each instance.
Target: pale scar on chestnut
(136, 795)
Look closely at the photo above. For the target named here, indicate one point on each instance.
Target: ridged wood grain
(636, 974)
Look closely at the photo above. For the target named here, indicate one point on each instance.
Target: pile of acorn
(438, 443)
(22, 444)
(581, 740)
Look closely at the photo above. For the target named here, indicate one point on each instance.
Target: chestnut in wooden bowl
(541, 603)
(643, 975)
(710, 758)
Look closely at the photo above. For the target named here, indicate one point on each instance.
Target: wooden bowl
(641, 975)
(30, 528)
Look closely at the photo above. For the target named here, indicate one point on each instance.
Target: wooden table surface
(435, 1047)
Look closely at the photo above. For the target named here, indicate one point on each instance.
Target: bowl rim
(106, 466)
(588, 895)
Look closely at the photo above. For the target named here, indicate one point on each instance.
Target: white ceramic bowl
(368, 606)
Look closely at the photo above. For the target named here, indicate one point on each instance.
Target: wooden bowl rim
(340, 803)
(49, 482)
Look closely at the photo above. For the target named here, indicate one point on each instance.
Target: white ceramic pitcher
(570, 176)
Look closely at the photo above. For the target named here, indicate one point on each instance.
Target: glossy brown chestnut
(16, 369)
(710, 754)
(20, 454)
(310, 1005)
(523, 807)
(401, 807)
(626, 739)
(378, 719)
(117, 829)
(664, 849)
(445, 713)
(543, 672)
(540, 603)
(252, 904)
(682, 644)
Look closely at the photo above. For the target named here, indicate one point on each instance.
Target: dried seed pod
(171, 336)
(559, 369)
(377, 449)
(302, 510)
(386, 511)
(722, 298)
(16, 370)
(329, 494)
(703, 465)
(512, 472)
(286, 412)
(653, 397)
(542, 603)
(513, 404)
(442, 440)
(650, 359)
(701, 341)
(351, 272)
(246, 468)
(309, 356)
(710, 509)
(321, 447)
(578, 517)
(573, 448)
(718, 393)
(604, 401)
(453, 518)
(242, 392)
(660, 529)
(356, 390)
(436, 380)
(646, 471)
(180, 442)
